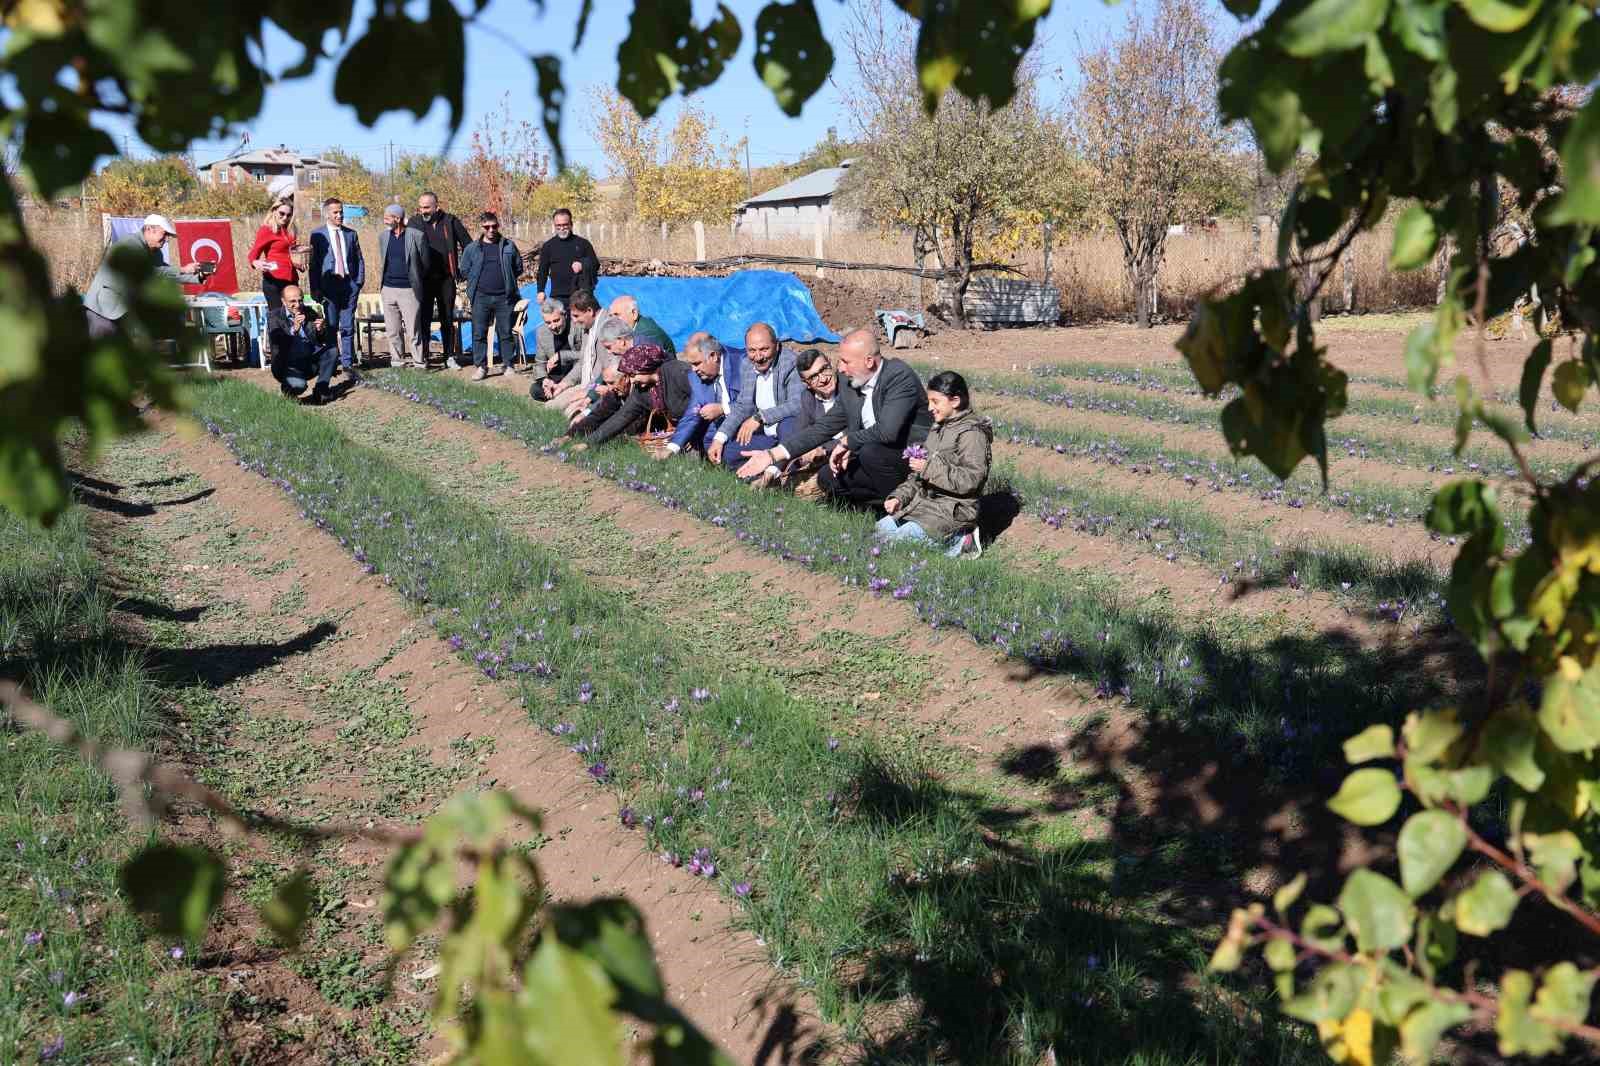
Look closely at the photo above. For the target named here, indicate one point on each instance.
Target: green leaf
(1570, 381)
(1431, 347)
(552, 96)
(1520, 1033)
(285, 913)
(1377, 911)
(59, 148)
(792, 56)
(973, 46)
(1373, 742)
(1420, 26)
(1555, 857)
(1324, 26)
(1463, 507)
(1510, 742)
(1486, 907)
(1436, 944)
(1323, 926)
(665, 52)
(1467, 408)
(1329, 996)
(1564, 994)
(1532, 379)
(611, 932)
(1423, 1027)
(374, 81)
(1429, 844)
(1367, 797)
(1284, 898)
(1570, 710)
(176, 887)
(1501, 16)
(1429, 734)
(1280, 954)
(567, 1003)
(1579, 202)
(1416, 238)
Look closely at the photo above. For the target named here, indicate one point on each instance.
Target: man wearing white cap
(106, 302)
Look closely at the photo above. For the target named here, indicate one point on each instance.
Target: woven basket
(654, 441)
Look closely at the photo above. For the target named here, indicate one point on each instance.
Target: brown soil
(844, 306)
(718, 974)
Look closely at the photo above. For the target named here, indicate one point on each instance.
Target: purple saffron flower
(700, 695)
(33, 939)
(671, 858)
(742, 889)
(915, 451)
(626, 816)
(708, 870)
(548, 586)
(71, 999)
(456, 641)
(671, 706)
(176, 953)
(598, 771)
(833, 743)
(52, 1049)
(697, 795)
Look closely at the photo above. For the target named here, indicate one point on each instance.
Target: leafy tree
(247, 200)
(507, 163)
(354, 182)
(686, 174)
(140, 186)
(1456, 111)
(1144, 129)
(573, 188)
(952, 176)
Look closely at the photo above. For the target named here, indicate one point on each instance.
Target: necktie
(338, 250)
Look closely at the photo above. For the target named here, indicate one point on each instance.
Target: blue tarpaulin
(723, 307)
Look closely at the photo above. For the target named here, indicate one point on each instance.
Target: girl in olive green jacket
(939, 501)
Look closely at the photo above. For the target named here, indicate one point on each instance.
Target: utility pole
(749, 182)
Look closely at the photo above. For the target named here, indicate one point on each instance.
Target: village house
(796, 208)
(262, 165)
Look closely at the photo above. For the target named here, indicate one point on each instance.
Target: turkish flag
(207, 240)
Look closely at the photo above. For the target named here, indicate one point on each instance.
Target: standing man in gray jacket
(402, 266)
(106, 302)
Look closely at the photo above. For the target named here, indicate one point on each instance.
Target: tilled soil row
(1013, 712)
(716, 973)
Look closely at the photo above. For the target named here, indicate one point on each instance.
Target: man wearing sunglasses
(491, 265)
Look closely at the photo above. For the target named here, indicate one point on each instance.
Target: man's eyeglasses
(821, 375)
(489, 227)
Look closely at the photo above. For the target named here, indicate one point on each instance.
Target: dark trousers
(293, 365)
(272, 289)
(339, 307)
(439, 302)
(496, 309)
(733, 452)
(876, 471)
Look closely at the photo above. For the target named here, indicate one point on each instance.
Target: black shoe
(355, 376)
(288, 393)
(319, 395)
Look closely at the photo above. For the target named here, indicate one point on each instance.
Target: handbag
(654, 441)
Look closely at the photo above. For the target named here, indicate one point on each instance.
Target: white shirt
(869, 417)
(767, 396)
(722, 392)
(336, 239)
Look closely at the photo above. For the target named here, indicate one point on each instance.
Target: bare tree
(948, 178)
(1144, 127)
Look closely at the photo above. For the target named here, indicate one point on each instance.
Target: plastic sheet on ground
(723, 307)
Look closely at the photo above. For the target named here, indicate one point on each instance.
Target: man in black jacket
(447, 237)
(302, 348)
(567, 261)
(884, 409)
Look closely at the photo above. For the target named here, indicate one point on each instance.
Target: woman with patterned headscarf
(656, 382)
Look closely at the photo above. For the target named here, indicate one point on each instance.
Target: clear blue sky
(303, 115)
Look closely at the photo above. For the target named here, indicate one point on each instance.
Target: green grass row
(78, 980)
(1281, 703)
(1554, 423)
(869, 877)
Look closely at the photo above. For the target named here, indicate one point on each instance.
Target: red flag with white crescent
(207, 240)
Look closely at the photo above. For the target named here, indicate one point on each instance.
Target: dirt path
(462, 730)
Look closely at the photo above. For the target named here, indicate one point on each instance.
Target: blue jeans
(339, 307)
(733, 452)
(891, 528)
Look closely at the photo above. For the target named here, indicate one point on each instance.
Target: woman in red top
(270, 253)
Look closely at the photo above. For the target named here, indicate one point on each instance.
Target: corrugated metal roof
(818, 184)
(279, 156)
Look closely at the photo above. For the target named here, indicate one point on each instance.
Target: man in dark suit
(337, 274)
(884, 409)
(717, 371)
(822, 395)
(301, 348)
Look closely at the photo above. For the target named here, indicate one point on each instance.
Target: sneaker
(480, 374)
(452, 363)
